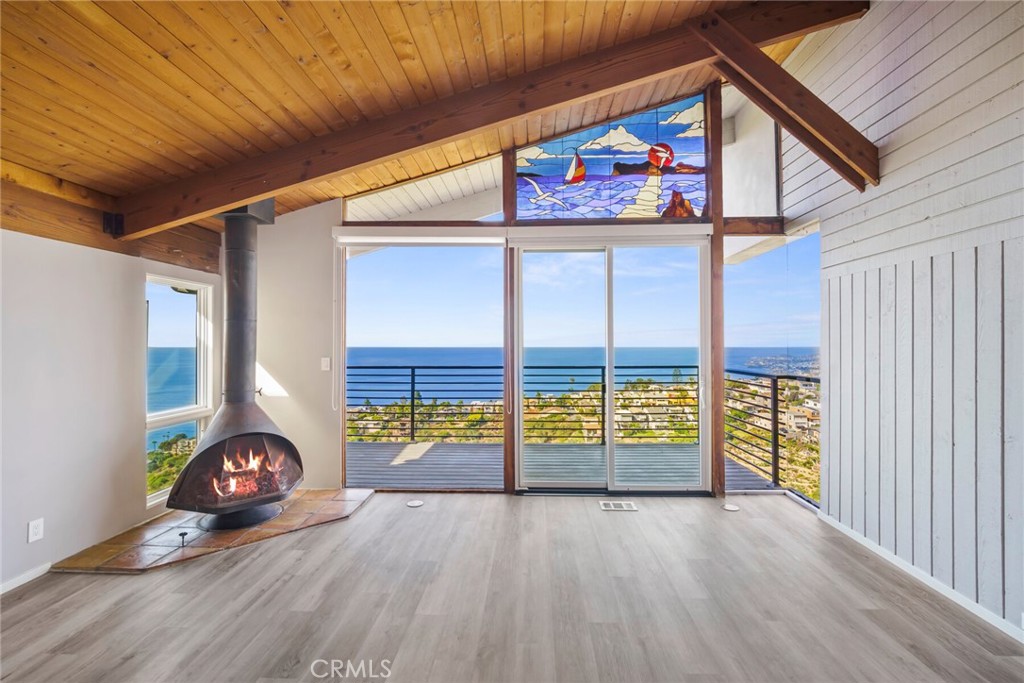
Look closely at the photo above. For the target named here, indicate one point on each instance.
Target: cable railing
(771, 421)
(772, 426)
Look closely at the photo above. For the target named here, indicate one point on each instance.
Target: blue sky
(436, 296)
(775, 299)
(172, 316)
(680, 125)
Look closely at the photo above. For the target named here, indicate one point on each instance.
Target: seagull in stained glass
(543, 196)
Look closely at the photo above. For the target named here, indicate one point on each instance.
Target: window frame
(203, 409)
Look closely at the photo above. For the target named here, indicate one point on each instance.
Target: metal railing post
(412, 404)
(775, 430)
(604, 398)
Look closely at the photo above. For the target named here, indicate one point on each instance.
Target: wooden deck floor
(495, 589)
(479, 466)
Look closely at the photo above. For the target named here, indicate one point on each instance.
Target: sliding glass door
(611, 361)
(657, 361)
(564, 353)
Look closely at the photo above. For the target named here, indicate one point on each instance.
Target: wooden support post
(509, 407)
(717, 394)
(508, 186)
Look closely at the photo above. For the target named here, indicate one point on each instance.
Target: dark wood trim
(787, 100)
(526, 223)
(754, 225)
(508, 186)
(584, 78)
(614, 221)
(34, 213)
(717, 394)
(511, 371)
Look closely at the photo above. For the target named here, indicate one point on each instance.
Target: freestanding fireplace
(243, 464)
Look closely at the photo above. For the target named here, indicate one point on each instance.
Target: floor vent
(618, 506)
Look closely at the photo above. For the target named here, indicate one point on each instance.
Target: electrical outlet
(325, 364)
(35, 530)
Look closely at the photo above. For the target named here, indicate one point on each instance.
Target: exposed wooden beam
(535, 92)
(789, 97)
(714, 124)
(754, 225)
(794, 127)
(22, 176)
(35, 213)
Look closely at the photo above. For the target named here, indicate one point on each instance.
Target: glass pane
(772, 334)
(167, 451)
(425, 379)
(647, 165)
(564, 388)
(171, 375)
(657, 344)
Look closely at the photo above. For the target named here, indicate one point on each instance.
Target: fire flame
(241, 477)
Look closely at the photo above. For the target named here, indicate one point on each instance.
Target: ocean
(379, 386)
(171, 380)
(170, 383)
(606, 196)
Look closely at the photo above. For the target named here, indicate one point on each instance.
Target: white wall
(74, 395)
(922, 337)
(295, 321)
(749, 164)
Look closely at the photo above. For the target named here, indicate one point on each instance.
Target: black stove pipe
(240, 308)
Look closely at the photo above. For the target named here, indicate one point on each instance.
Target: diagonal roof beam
(794, 127)
(532, 93)
(786, 100)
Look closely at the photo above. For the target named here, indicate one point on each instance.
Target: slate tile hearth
(157, 543)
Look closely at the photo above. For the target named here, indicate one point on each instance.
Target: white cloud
(563, 269)
(618, 139)
(694, 114)
(527, 154)
(694, 131)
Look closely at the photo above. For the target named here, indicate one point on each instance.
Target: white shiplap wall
(922, 294)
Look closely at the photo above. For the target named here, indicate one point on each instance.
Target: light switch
(325, 364)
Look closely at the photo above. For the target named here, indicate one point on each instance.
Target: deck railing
(772, 426)
(771, 421)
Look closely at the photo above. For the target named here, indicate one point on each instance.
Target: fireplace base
(243, 518)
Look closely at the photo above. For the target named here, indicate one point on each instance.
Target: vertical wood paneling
(1013, 426)
(835, 400)
(858, 370)
(887, 410)
(846, 408)
(872, 434)
(965, 543)
(925, 365)
(922, 414)
(904, 411)
(990, 426)
(942, 418)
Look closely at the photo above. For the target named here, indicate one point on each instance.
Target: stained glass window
(647, 165)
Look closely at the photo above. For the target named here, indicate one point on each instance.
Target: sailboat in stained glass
(577, 171)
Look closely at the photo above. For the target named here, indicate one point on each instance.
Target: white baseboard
(25, 577)
(974, 608)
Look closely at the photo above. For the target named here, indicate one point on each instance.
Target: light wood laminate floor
(488, 587)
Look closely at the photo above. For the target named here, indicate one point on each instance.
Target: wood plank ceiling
(119, 96)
